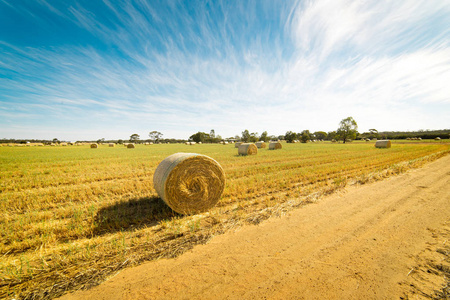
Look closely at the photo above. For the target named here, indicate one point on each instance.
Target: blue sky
(77, 70)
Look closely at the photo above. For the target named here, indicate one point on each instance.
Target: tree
(253, 137)
(245, 136)
(134, 138)
(199, 137)
(305, 137)
(212, 134)
(347, 129)
(55, 141)
(290, 136)
(373, 133)
(320, 135)
(155, 135)
(332, 135)
(264, 137)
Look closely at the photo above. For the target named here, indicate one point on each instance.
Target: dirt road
(359, 244)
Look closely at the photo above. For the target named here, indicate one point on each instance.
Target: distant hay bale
(261, 145)
(94, 145)
(437, 138)
(112, 145)
(130, 146)
(383, 144)
(236, 145)
(189, 183)
(247, 149)
(275, 145)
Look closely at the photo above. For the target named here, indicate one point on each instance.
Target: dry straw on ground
(189, 183)
(383, 144)
(275, 145)
(95, 145)
(247, 149)
(261, 145)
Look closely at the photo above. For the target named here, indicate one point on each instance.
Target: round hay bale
(189, 183)
(247, 149)
(275, 145)
(261, 145)
(383, 144)
(112, 144)
(236, 145)
(94, 145)
(130, 146)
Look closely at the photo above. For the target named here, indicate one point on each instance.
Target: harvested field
(71, 217)
(386, 240)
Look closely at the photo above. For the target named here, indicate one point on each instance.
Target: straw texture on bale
(247, 149)
(383, 144)
(260, 144)
(130, 146)
(189, 183)
(94, 145)
(236, 145)
(275, 146)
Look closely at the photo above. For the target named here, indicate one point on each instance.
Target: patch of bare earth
(385, 240)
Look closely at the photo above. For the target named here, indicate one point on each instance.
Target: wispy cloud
(253, 65)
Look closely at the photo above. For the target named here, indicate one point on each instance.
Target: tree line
(347, 131)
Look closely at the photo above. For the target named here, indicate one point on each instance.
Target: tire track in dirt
(357, 244)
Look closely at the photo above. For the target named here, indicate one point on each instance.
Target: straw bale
(112, 145)
(94, 145)
(275, 145)
(130, 146)
(189, 183)
(236, 145)
(261, 145)
(247, 149)
(383, 144)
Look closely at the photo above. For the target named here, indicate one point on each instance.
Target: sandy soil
(363, 243)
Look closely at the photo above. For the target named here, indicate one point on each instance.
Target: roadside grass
(72, 216)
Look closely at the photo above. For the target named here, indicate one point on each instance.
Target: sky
(86, 70)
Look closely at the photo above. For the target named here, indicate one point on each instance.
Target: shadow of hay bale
(133, 214)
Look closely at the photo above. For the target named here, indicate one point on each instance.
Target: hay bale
(383, 144)
(261, 145)
(275, 145)
(112, 145)
(130, 146)
(189, 183)
(247, 149)
(94, 145)
(236, 145)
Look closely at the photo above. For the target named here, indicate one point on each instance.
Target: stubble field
(71, 216)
